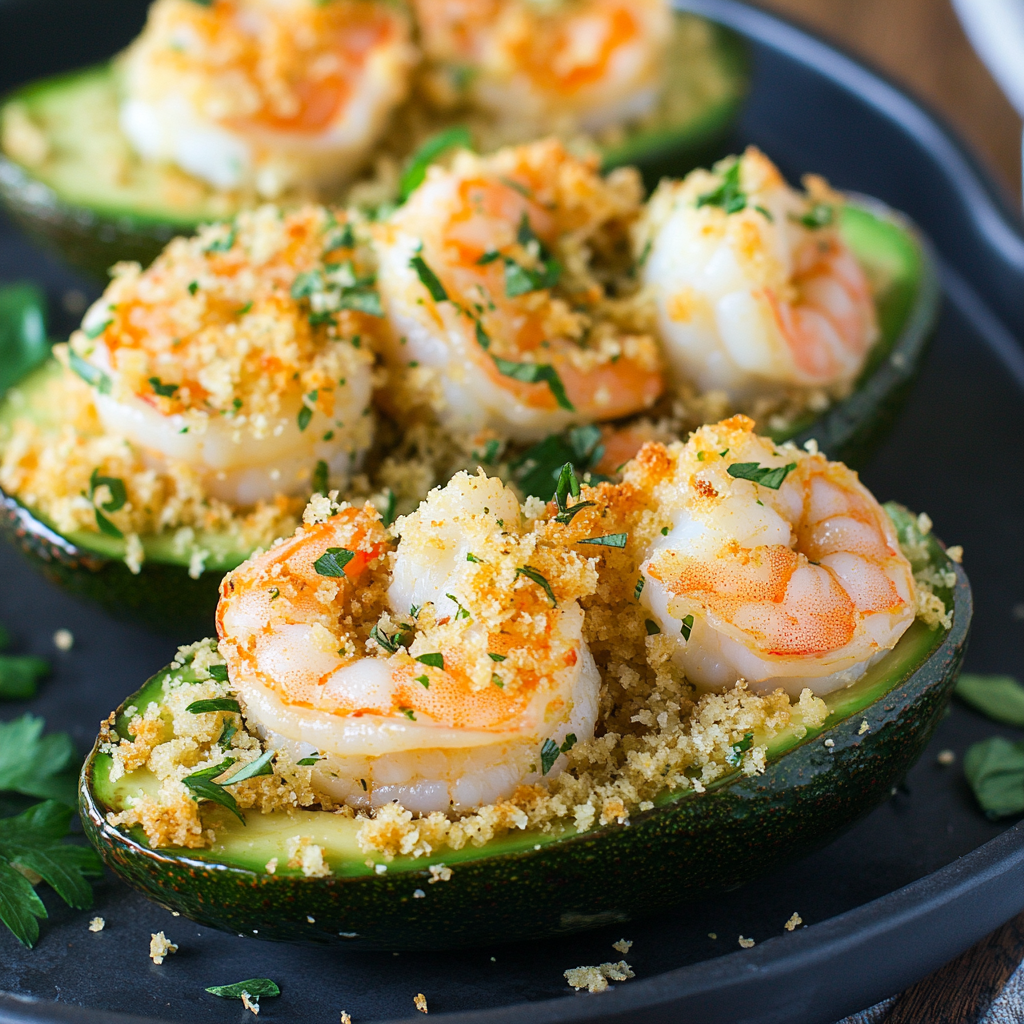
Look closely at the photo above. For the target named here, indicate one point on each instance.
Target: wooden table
(919, 44)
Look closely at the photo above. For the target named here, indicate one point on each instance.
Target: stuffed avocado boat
(217, 107)
(491, 723)
(206, 397)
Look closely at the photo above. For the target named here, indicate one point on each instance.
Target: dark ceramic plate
(909, 887)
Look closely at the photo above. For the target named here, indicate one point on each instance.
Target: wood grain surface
(963, 990)
(920, 44)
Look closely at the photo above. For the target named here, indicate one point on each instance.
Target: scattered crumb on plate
(160, 946)
(946, 757)
(63, 639)
(863, 727)
(345, 1018)
(746, 943)
(712, 935)
(439, 873)
(418, 894)
(97, 924)
(420, 1001)
(622, 946)
(794, 922)
(251, 1004)
(595, 979)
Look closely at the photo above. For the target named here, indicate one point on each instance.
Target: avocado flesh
(94, 200)
(532, 884)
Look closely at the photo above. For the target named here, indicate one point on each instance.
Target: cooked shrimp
(442, 671)
(754, 284)
(275, 95)
(499, 321)
(243, 352)
(581, 64)
(774, 566)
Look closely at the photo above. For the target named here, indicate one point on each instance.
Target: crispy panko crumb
(595, 979)
(746, 943)
(97, 924)
(794, 922)
(623, 946)
(955, 553)
(63, 639)
(271, 866)
(345, 1018)
(439, 873)
(305, 854)
(160, 946)
(420, 1002)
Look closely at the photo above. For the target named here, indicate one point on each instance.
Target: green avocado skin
(162, 596)
(671, 855)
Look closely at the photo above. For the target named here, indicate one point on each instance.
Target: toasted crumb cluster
(595, 979)
(160, 947)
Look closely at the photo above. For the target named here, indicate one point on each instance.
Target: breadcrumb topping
(160, 947)
(595, 979)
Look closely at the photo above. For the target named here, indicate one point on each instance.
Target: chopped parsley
(305, 415)
(333, 561)
(224, 243)
(388, 515)
(424, 680)
(242, 310)
(520, 280)
(193, 287)
(536, 373)
(95, 332)
(389, 643)
(307, 761)
(218, 672)
(408, 712)
(610, 540)
(416, 169)
(204, 788)
(435, 660)
(550, 750)
(652, 627)
(739, 749)
(639, 588)
(729, 195)
(92, 375)
(820, 215)
(685, 626)
(200, 707)
(117, 500)
(470, 557)
(539, 467)
(498, 681)
(462, 612)
(320, 478)
(532, 574)
(497, 657)
(261, 766)
(764, 475)
(429, 279)
(164, 390)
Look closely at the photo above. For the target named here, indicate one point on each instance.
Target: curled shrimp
(265, 94)
(244, 352)
(498, 321)
(583, 64)
(774, 566)
(441, 671)
(754, 284)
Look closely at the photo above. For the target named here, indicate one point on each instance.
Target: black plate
(913, 884)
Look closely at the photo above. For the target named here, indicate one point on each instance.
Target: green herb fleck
(224, 243)
(253, 988)
(462, 612)
(424, 680)
(408, 712)
(200, 707)
(652, 627)
(164, 390)
(536, 373)
(434, 660)
(92, 375)
(610, 540)
(820, 215)
(306, 762)
(261, 766)
(193, 287)
(532, 574)
(95, 332)
(416, 169)
(729, 196)
(639, 588)
(35, 765)
(204, 788)
(305, 415)
(497, 657)
(429, 279)
(389, 643)
(227, 732)
(550, 750)
(320, 478)
(685, 626)
(739, 749)
(333, 561)
(764, 475)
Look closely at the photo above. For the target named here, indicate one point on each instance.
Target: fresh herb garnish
(429, 279)
(204, 788)
(652, 627)
(424, 681)
(470, 557)
(201, 707)
(729, 196)
(532, 574)
(118, 497)
(319, 481)
(361, 299)
(520, 280)
(164, 390)
(305, 415)
(434, 660)
(193, 287)
(333, 561)
(253, 988)
(566, 486)
(497, 657)
(218, 672)
(35, 765)
(610, 540)
(389, 643)
(999, 697)
(462, 613)
(19, 673)
(740, 748)
(92, 333)
(639, 588)
(307, 761)
(820, 215)
(536, 373)
(995, 771)
(33, 842)
(226, 733)
(539, 467)
(408, 712)
(92, 375)
(261, 766)
(685, 626)
(416, 169)
(550, 750)
(488, 257)
(764, 475)
(224, 243)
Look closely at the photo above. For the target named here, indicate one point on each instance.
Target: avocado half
(530, 885)
(86, 195)
(163, 595)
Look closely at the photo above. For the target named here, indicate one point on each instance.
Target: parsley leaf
(497, 657)
(538, 468)
(416, 169)
(224, 243)
(740, 748)
(763, 475)
(305, 415)
(118, 493)
(36, 765)
(995, 771)
(253, 988)
(307, 761)
(389, 643)
(218, 672)
(729, 196)
(611, 540)
(333, 561)
(820, 215)
(164, 390)
(532, 574)
(261, 766)
(433, 660)
(639, 588)
(201, 707)
(429, 279)
(685, 626)
(19, 674)
(92, 375)
(319, 480)
(566, 486)
(32, 840)
(536, 373)
(652, 627)
(204, 788)
(550, 750)
(23, 344)
(999, 697)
